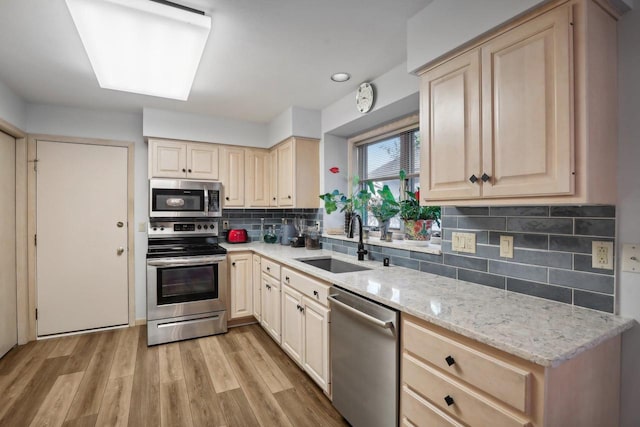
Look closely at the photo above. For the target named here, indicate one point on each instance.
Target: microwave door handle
(206, 202)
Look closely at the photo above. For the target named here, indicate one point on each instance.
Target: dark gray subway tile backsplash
(552, 255)
(249, 219)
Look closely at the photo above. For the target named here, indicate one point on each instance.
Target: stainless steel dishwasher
(364, 359)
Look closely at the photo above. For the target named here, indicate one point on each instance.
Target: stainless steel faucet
(361, 250)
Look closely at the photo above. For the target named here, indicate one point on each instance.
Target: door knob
(120, 250)
(120, 224)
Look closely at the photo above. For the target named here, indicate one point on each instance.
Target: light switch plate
(506, 246)
(463, 242)
(602, 255)
(631, 258)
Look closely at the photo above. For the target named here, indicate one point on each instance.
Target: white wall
(628, 207)
(196, 127)
(294, 121)
(13, 109)
(392, 89)
(64, 121)
(444, 25)
(334, 149)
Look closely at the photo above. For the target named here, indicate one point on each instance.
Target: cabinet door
(233, 177)
(286, 182)
(292, 323)
(450, 129)
(168, 159)
(271, 306)
(241, 284)
(273, 178)
(258, 176)
(257, 288)
(202, 161)
(316, 342)
(526, 109)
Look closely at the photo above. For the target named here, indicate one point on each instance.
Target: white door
(81, 251)
(8, 327)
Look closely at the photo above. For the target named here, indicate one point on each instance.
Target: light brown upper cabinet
(297, 173)
(233, 176)
(179, 159)
(527, 115)
(258, 175)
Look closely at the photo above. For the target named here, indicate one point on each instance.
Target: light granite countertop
(542, 331)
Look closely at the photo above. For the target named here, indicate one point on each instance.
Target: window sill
(407, 245)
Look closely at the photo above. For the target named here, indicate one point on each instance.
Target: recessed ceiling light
(340, 77)
(146, 47)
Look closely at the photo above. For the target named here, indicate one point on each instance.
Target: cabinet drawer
(500, 379)
(418, 412)
(312, 288)
(467, 405)
(271, 268)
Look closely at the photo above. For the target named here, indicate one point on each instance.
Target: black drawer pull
(449, 400)
(189, 170)
(315, 293)
(286, 278)
(485, 177)
(184, 170)
(473, 179)
(233, 264)
(450, 360)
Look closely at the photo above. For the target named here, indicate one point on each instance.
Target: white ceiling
(262, 56)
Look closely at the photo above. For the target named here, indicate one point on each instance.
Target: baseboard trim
(241, 321)
(141, 322)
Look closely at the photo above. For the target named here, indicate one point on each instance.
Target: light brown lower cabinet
(451, 380)
(240, 284)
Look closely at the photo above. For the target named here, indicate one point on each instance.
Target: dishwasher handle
(385, 324)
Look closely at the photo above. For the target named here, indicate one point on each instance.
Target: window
(380, 162)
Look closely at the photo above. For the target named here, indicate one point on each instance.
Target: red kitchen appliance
(237, 235)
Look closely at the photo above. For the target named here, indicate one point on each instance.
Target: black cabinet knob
(226, 198)
(450, 360)
(473, 179)
(233, 264)
(485, 177)
(286, 278)
(315, 293)
(268, 268)
(184, 170)
(274, 198)
(448, 400)
(288, 197)
(189, 170)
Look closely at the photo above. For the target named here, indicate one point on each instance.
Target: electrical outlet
(506, 246)
(225, 225)
(463, 242)
(602, 255)
(318, 225)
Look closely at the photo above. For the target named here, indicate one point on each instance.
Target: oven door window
(178, 200)
(184, 284)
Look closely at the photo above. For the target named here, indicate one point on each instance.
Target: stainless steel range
(186, 280)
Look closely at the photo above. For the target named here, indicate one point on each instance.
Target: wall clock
(364, 97)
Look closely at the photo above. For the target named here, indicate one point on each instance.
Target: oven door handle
(185, 262)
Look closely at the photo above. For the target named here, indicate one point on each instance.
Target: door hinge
(35, 164)
(35, 240)
(36, 314)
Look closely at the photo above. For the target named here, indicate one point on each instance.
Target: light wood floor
(112, 378)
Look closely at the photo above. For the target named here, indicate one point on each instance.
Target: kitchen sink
(333, 265)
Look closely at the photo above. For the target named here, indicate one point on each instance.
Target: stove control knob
(206, 226)
(199, 227)
(155, 228)
(161, 228)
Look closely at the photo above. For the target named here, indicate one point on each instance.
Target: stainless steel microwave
(184, 198)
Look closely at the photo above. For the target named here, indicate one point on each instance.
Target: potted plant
(383, 205)
(417, 219)
(348, 205)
